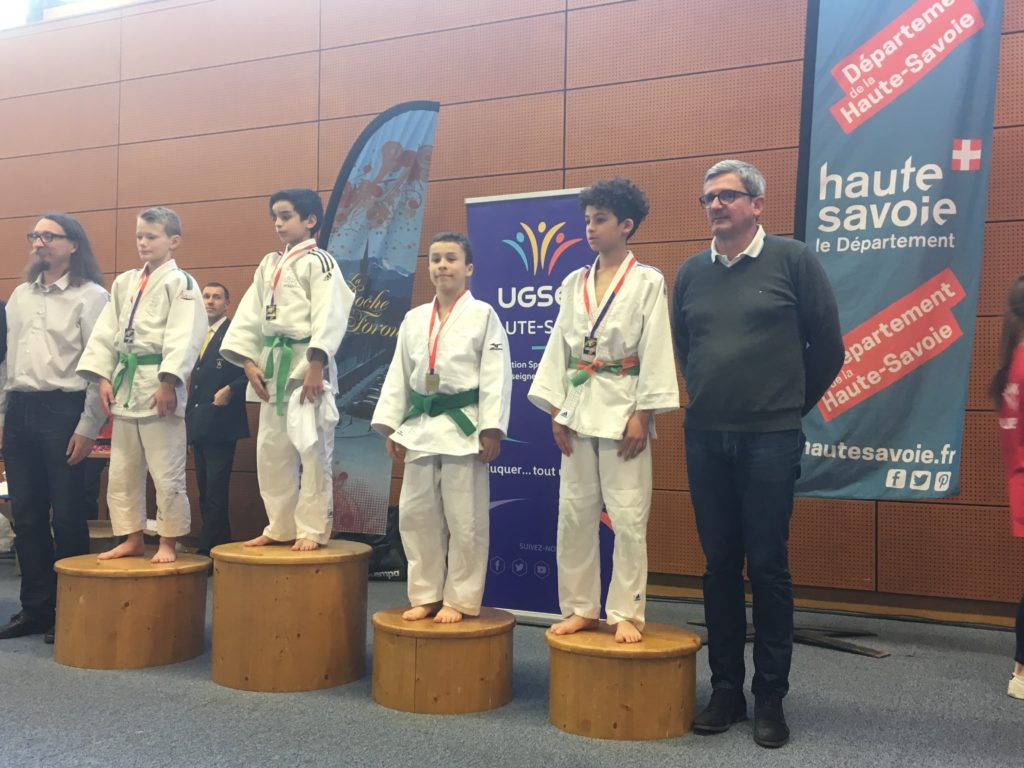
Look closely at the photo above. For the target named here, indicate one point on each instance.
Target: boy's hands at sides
(106, 393)
(490, 444)
(396, 451)
(634, 439)
(258, 380)
(563, 436)
(166, 399)
(313, 381)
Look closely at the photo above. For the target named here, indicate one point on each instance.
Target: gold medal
(431, 383)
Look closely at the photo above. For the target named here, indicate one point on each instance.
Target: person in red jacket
(1006, 390)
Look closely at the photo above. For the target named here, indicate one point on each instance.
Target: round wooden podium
(442, 669)
(286, 620)
(129, 613)
(609, 690)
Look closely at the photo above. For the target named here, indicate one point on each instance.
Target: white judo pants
(156, 445)
(442, 494)
(594, 476)
(299, 504)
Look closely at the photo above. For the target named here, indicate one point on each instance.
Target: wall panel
(82, 180)
(75, 56)
(832, 544)
(659, 38)
(493, 61)
(672, 543)
(1010, 84)
(220, 32)
(56, 122)
(347, 22)
(963, 552)
(663, 123)
(1001, 262)
(1005, 192)
(230, 98)
(217, 167)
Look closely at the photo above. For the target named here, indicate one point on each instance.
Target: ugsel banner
(524, 247)
(901, 143)
(372, 228)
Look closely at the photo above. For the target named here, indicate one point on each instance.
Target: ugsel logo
(541, 259)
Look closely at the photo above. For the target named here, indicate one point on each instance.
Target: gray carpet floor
(938, 700)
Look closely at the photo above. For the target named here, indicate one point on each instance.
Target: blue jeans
(741, 484)
(37, 428)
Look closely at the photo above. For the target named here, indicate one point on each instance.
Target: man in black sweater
(758, 340)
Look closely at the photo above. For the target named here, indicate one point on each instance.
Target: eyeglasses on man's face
(725, 197)
(46, 237)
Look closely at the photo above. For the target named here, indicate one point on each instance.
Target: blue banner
(897, 181)
(372, 227)
(524, 247)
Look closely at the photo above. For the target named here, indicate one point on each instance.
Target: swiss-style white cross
(966, 154)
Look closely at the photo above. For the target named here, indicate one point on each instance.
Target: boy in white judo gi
(444, 409)
(606, 370)
(141, 351)
(285, 334)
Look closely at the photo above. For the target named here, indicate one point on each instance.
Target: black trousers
(37, 429)
(213, 474)
(1019, 657)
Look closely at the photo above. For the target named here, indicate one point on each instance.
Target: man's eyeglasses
(725, 197)
(46, 237)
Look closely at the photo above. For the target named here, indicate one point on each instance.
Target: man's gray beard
(43, 263)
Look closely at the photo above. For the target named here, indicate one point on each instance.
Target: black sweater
(759, 342)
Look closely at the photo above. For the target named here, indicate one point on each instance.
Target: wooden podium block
(442, 669)
(609, 690)
(289, 621)
(129, 613)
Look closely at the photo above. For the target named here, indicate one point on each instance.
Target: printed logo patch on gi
(496, 346)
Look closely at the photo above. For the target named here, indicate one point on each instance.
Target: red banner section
(897, 340)
(891, 62)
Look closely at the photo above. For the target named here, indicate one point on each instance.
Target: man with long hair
(49, 415)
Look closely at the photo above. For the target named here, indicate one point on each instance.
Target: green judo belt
(284, 367)
(131, 363)
(439, 404)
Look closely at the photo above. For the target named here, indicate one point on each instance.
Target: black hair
(305, 201)
(1013, 334)
(455, 237)
(82, 267)
(214, 284)
(620, 196)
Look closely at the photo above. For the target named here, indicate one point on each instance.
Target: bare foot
(626, 632)
(165, 553)
(418, 612)
(133, 546)
(574, 623)
(447, 615)
(305, 545)
(260, 541)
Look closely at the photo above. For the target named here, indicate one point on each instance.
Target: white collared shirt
(47, 330)
(753, 250)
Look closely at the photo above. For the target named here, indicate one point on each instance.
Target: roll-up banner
(896, 184)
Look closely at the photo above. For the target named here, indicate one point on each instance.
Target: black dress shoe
(770, 729)
(725, 708)
(20, 626)
(48, 636)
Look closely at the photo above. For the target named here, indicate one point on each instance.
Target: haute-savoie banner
(372, 228)
(897, 182)
(524, 246)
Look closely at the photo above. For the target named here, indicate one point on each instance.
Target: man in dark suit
(215, 420)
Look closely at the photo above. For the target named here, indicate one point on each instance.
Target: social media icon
(920, 480)
(497, 564)
(943, 480)
(519, 567)
(541, 569)
(896, 478)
